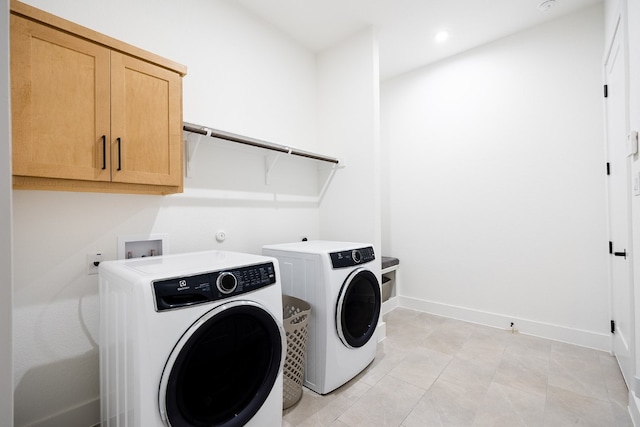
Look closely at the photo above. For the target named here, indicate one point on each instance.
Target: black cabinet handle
(119, 153)
(104, 152)
(624, 254)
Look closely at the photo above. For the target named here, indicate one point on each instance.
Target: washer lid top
(317, 246)
(188, 263)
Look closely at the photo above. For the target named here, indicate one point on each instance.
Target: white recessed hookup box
(143, 245)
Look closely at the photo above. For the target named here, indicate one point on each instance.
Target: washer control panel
(211, 286)
(352, 257)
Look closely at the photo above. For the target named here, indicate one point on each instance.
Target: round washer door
(358, 308)
(223, 368)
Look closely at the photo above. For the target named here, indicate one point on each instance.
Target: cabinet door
(60, 104)
(146, 122)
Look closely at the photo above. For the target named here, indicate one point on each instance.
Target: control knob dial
(226, 282)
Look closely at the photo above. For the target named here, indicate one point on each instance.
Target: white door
(619, 215)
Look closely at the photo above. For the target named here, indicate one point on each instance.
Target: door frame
(619, 30)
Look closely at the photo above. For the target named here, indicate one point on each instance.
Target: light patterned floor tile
(445, 404)
(385, 405)
(578, 373)
(470, 373)
(421, 367)
(524, 372)
(617, 388)
(505, 406)
(565, 408)
(434, 371)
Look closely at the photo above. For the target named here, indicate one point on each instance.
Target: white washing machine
(191, 340)
(340, 282)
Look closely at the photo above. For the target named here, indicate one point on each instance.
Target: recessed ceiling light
(441, 36)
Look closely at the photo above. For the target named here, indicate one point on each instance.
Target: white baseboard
(86, 414)
(634, 408)
(389, 305)
(579, 337)
(381, 331)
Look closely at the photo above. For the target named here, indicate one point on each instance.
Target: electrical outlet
(93, 261)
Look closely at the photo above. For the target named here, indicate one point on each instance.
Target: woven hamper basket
(296, 314)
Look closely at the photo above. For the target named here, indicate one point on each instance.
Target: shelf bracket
(193, 142)
(328, 180)
(269, 167)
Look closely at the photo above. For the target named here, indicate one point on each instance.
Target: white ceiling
(406, 28)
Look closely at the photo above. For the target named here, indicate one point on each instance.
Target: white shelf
(196, 132)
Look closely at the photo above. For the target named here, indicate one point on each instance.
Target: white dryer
(191, 340)
(340, 282)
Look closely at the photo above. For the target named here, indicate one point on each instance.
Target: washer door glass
(223, 368)
(358, 308)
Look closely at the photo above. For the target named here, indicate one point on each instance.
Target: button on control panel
(211, 286)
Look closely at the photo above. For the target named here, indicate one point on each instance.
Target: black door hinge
(610, 247)
(613, 326)
(608, 168)
(606, 91)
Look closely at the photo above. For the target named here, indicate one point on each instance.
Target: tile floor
(433, 371)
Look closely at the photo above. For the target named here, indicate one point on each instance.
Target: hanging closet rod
(189, 127)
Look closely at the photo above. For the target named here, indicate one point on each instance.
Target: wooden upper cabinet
(90, 113)
(60, 103)
(146, 122)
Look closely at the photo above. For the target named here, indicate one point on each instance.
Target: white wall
(243, 77)
(220, 44)
(612, 10)
(6, 280)
(497, 188)
(348, 90)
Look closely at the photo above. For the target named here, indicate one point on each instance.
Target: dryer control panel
(211, 286)
(352, 257)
